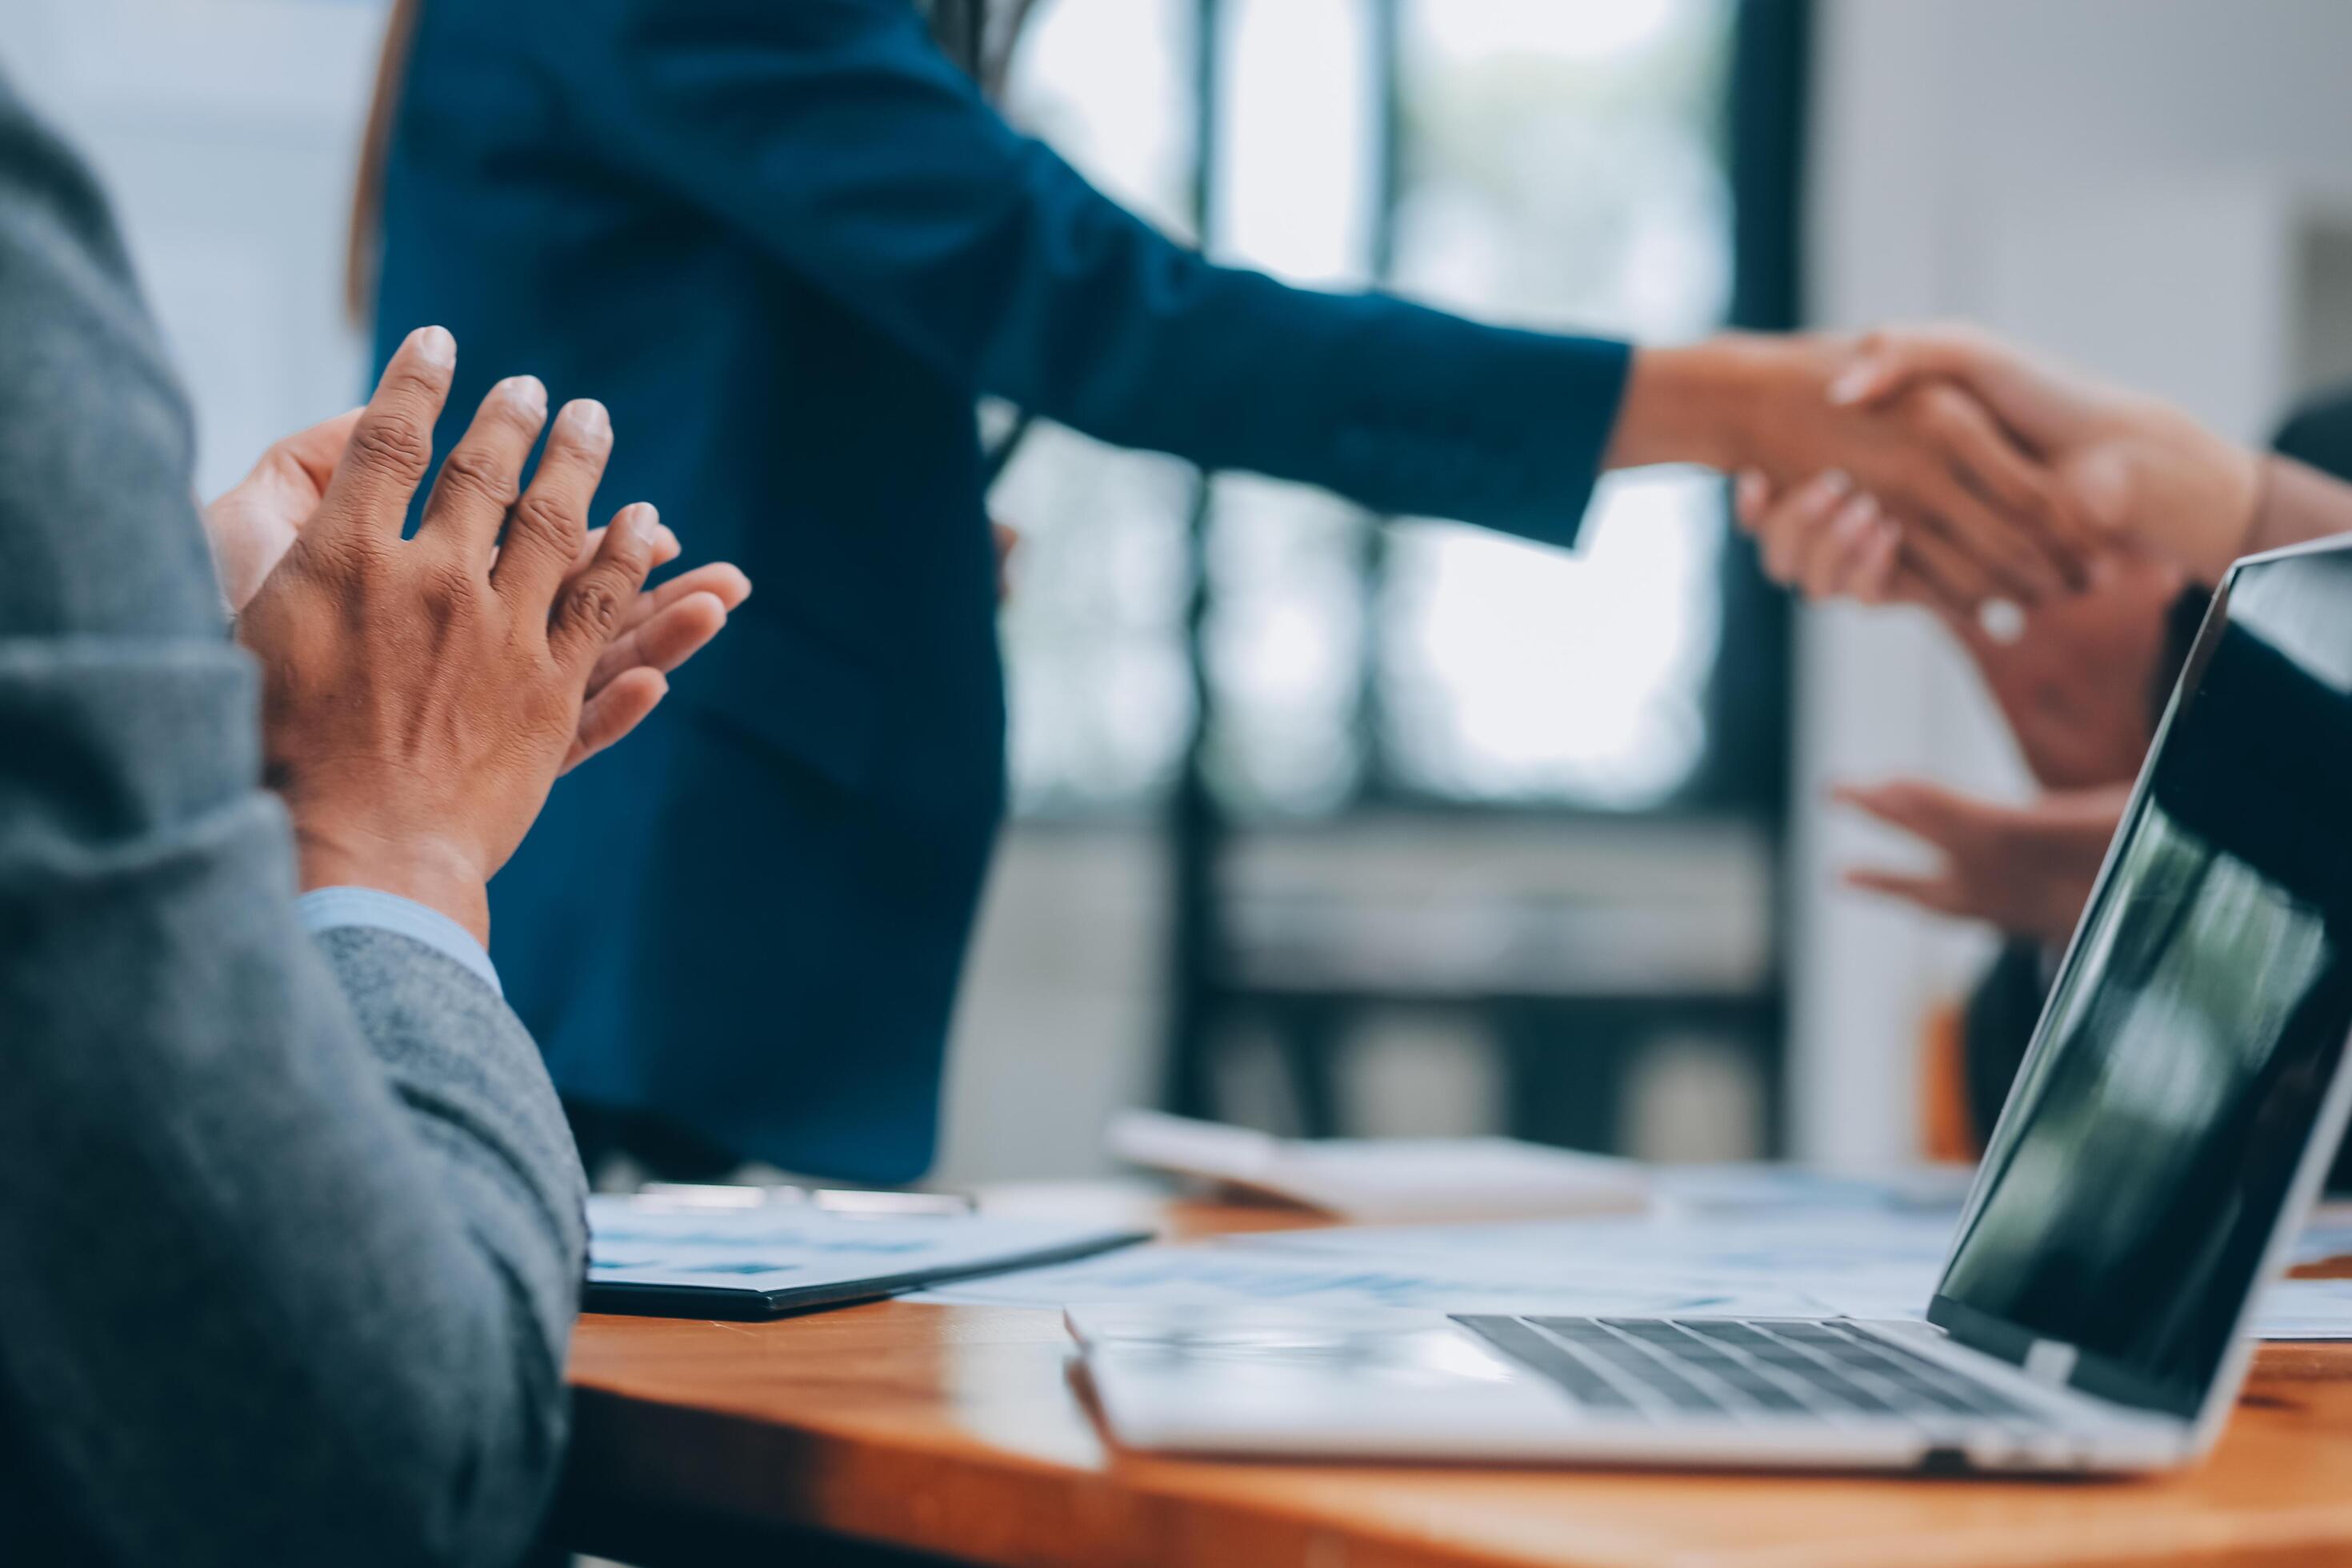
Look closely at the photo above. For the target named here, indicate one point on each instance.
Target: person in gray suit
(291, 1225)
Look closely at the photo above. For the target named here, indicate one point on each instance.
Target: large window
(1541, 162)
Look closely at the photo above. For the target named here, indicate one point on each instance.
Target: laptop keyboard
(1757, 1370)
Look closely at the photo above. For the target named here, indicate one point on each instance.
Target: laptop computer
(2173, 1119)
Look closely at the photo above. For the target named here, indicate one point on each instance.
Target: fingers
(722, 580)
(1954, 580)
(609, 715)
(1993, 500)
(1887, 364)
(665, 626)
(549, 525)
(1938, 894)
(2055, 536)
(1832, 567)
(661, 640)
(1789, 530)
(312, 454)
(391, 445)
(1929, 813)
(1824, 540)
(661, 630)
(589, 611)
(667, 548)
(483, 473)
(1879, 575)
(1751, 495)
(1924, 810)
(2004, 547)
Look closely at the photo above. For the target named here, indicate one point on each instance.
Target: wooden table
(954, 1431)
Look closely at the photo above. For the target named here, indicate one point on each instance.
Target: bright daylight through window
(1558, 165)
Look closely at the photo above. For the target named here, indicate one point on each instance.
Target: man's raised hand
(421, 695)
(251, 526)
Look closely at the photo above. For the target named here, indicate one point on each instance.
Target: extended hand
(253, 525)
(2026, 870)
(1978, 518)
(2075, 677)
(2138, 469)
(420, 696)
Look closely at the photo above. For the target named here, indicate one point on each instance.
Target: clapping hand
(251, 527)
(420, 696)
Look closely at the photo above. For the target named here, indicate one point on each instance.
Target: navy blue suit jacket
(789, 245)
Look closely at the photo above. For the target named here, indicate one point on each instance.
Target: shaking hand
(420, 696)
(2077, 677)
(2141, 471)
(1972, 515)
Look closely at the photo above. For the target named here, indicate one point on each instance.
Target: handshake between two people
(1938, 466)
(421, 696)
(2163, 504)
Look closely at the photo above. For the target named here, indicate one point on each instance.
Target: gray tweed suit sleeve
(290, 1230)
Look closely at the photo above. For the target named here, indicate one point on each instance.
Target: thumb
(314, 452)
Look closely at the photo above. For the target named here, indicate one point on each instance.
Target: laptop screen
(2155, 1134)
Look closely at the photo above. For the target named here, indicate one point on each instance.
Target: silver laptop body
(2183, 1097)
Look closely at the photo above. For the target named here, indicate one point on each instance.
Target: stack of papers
(649, 1255)
(1387, 1180)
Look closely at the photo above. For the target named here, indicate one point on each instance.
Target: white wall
(2121, 182)
(1061, 1018)
(226, 132)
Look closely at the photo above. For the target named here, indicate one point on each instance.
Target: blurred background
(1332, 823)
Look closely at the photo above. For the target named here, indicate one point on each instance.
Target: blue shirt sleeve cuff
(329, 908)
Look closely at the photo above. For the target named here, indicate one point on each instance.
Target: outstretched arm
(832, 135)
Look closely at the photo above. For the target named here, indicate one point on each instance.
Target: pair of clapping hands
(421, 696)
(2164, 503)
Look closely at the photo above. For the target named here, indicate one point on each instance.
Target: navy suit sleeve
(835, 136)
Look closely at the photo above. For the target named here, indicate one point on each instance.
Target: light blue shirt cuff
(330, 909)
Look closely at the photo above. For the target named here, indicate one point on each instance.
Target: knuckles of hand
(537, 517)
(592, 610)
(393, 447)
(403, 689)
(471, 478)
